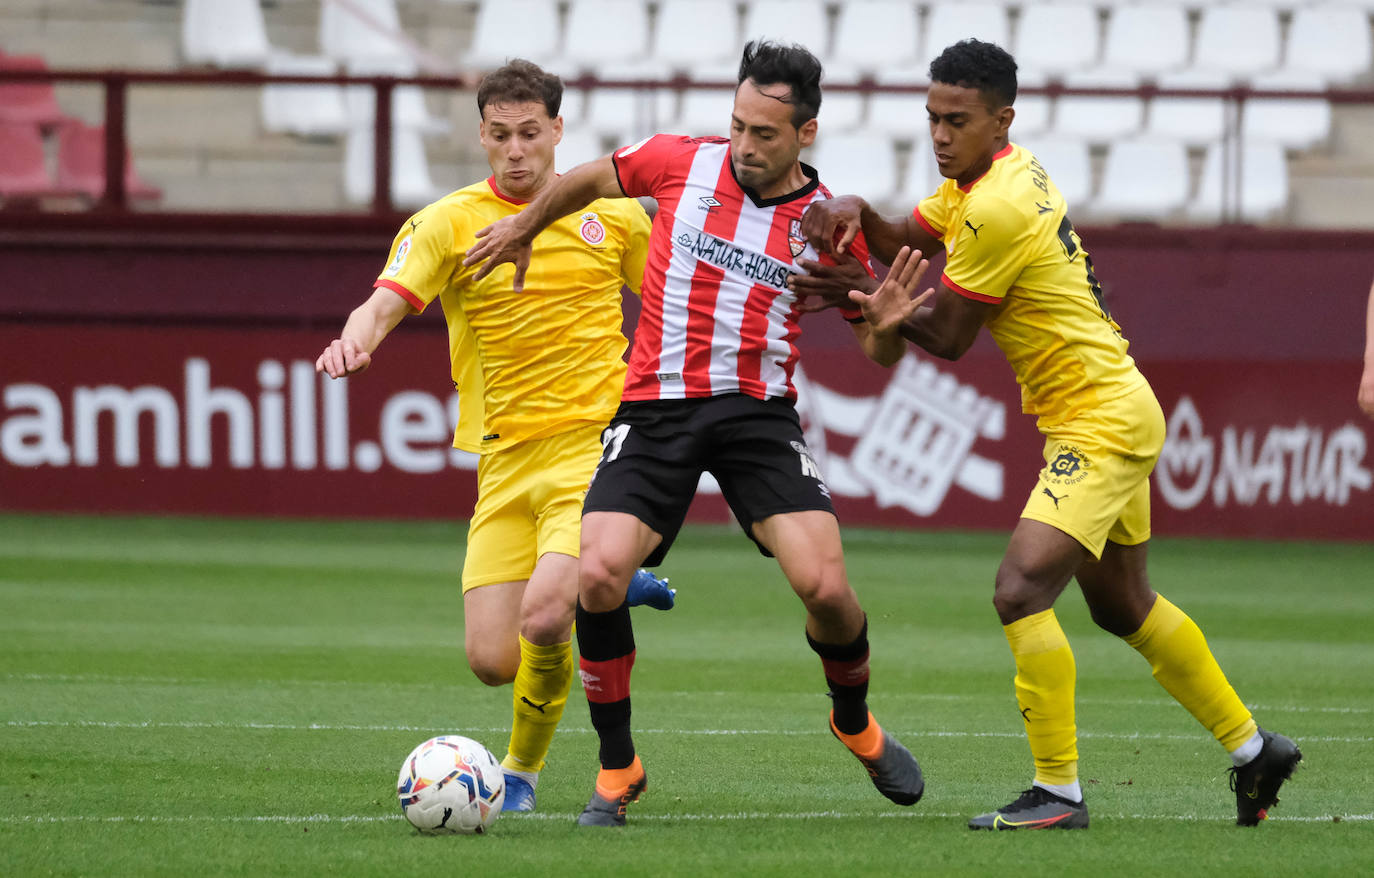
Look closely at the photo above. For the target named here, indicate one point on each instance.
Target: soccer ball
(451, 784)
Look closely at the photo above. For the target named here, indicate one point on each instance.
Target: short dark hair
(792, 65)
(975, 64)
(520, 82)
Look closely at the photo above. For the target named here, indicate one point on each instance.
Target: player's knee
(825, 595)
(550, 623)
(601, 585)
(493, 668)
(1016, 597)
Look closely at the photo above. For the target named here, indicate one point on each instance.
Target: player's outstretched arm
(832, 225)
(887, 309)
(1367, 379)
(509, 239)
(369, 323)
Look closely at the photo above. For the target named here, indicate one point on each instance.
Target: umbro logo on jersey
(708, 202)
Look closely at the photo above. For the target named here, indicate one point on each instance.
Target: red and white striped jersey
(717, 316)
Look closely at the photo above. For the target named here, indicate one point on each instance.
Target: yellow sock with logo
(1045, 678)
(1183, 664)
(541, 693)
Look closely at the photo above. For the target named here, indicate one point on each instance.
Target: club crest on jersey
(795, 241)
(591, 230)
(397, 263)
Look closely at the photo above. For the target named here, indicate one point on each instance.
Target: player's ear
(807, 133)
(557, 130)
(1005, 116)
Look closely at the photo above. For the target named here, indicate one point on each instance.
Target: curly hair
(520, 82)
(986, 67)
(792, 65)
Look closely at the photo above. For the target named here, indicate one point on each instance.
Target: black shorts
(654, 452)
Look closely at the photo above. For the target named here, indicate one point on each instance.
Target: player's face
(519, 140)
(764, 145)
(964, 131)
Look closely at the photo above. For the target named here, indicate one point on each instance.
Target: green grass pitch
(184, 696)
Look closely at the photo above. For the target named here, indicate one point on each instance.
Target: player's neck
(788, 183)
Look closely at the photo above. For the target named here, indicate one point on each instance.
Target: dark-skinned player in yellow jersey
(1016, 265)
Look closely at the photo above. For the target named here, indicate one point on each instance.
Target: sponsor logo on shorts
(1069, 466)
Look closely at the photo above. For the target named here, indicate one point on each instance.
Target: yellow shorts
(1096, 482)
(529, 502)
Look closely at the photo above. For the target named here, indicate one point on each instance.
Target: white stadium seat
(347, 36)
(410, 182)
(1331, 40)
(1054, 39)
(577, 146)
(1143, 179)
(306, 110)
(1197, 121)
(788, 21)
(900, 114)
(856, 164)
(1262, 190)
(535, 21)
(225, 33)
(627, 114)
(1146, 40)
(1099, 118)
(874, 35)
(949, 21)
(1294, 122)
(408, 108)
(691, 34)
(601, 33)
(1241, 41)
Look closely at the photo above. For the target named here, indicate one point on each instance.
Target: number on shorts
(612, 438)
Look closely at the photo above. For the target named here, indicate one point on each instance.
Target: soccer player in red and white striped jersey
(709, 389)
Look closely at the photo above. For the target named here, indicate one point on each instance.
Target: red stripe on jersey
(415, 301)
(969, 294)
(925, 225)
(721, 221)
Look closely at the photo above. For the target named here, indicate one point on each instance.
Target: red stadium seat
(24, 172)
(32, 102)
(81, 163)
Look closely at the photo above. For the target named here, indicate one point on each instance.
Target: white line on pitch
(38, 819)
(326, 727)
(926, 696)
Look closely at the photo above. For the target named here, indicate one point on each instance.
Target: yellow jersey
(536, 363)
(1008, 240)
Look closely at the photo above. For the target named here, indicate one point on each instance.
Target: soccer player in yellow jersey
(538, 377)
(1015, 265)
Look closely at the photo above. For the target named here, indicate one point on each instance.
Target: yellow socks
(1182, 663)
(541, 693)
(1045, 677)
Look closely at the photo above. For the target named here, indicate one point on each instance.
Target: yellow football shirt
(1008, 240)
(539, 362)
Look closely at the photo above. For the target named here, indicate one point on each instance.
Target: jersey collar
(813, 180)
(491, 181)
(1000, 154)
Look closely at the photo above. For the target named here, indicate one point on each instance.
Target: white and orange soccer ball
(451, 784)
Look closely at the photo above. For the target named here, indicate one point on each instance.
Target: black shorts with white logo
(654, 452)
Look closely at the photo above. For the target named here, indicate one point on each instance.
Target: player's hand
(342, 357)
(889, 306)
(828, 285)
(502, 241)
(1367, 391)
(832, 225)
